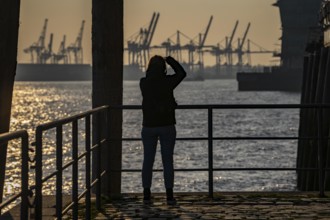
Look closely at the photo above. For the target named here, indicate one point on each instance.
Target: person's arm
(180, 73)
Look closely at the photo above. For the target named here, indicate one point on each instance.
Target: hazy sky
(188, 16)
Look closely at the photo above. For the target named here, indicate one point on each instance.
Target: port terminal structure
(43, 54)
(138, 49)
(191, 54)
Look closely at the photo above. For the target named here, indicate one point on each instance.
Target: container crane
(47, 53)
(39, 46)
(259, 50)
(192, 47)
(148, 37)
(61, 53)
(173, 47)
(76, 47)
(202, 39)
(139, 44)
(240, 46)
(228, 48)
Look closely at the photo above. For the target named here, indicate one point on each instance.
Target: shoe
(169, 195)
(171, 201)
(146, 196)
(147, 201)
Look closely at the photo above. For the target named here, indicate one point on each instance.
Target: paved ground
(223, 206)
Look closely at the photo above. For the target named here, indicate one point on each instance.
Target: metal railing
(24, 192)
(100, 116)
(58, 174)
(210, 138)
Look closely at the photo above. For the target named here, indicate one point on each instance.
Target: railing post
(88, 166)
(59, 175)
(75, 169)
(38, 163)
(210, 150)
(320, 150)
(25, 177)
(98, 161)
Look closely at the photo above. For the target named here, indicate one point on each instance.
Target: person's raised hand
(168, 59)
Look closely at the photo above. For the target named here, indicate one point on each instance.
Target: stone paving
(238, 205)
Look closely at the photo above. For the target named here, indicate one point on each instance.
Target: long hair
(156, 66)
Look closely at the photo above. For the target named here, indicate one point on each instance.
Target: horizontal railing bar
(265, 169)
(53, 124)
(46, 178)
(192, 170)
(233, 106)
(228, 169)
(96, 180)
(96, 145)
(67, 208)
(5, 137)
(10, 200)
(72, 161)
(68, 164)
(161, 170)
(63, 168)
(82, 194)
(230, 138)
(72, 203)
(82, 155)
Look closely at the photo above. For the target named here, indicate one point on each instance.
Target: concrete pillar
(9, 23)
(107, 48)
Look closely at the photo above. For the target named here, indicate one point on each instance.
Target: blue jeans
(150, 136)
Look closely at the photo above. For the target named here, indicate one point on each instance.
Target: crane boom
(152, 31)
(232, 36)
(147, 32)
(206, 32)
(41, 41)
(80, 35)
(50, 44)
(244, 37)
(61, 49)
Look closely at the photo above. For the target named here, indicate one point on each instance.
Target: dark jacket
(158, 104)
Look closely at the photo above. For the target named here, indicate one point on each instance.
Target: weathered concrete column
(9, 23)
(107, 47)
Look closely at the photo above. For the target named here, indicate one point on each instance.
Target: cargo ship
(299, 20)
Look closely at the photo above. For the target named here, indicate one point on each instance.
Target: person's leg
(167, 141)
(149, 139)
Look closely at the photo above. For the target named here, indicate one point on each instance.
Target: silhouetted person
(158, 107)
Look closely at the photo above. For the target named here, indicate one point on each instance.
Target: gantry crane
(202, 39)
(47, 52)
(239, 49)
(139, 44)
(148, 37)
(193, 47)
(229, 49)
(37, 48)
(173, 47)
(61, 53)
(76, 47)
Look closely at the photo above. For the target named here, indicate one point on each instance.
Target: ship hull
(269, 81)
(53, 72)
(77, 72)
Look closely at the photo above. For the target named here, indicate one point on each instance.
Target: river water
(39, 102)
